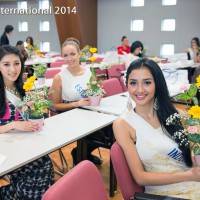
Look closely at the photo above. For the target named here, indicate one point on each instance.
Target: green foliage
(39, 70)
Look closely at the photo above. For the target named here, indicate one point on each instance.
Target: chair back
(115, 70)
(127, 184)
(51, 72)
(57, 63)
(112, 86)
(82, 182)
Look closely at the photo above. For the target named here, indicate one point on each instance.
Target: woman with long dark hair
(4, 40)
(33, 179)
(158, 158)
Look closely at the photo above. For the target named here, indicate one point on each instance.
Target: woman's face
(71, 55)
(194, 44)
(125, 42)
(10, 68)
(141, 86)
(137, 51)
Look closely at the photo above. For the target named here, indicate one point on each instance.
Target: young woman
(4, 40)
(29, 40)
(124, 48)
(69, 85)
(193, 51)
(33, 179)
(157, 159)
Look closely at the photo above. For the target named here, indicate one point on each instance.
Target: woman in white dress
(157, 159)
(193, 51)
(67, 91)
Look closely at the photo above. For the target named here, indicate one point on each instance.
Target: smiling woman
(162, 162)
(33, 179)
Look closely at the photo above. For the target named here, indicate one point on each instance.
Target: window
(137, 3)
(45, 46)
(137, 25)
(23, 26)
(167, 50)
(168, 25)
(22, 5)
(169, 2)
(44, 26)
(43, 4)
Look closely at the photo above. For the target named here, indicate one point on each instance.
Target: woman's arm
(125, 136)
(19, 125)
(56, 97)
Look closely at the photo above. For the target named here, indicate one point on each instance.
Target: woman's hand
(25, 126)
(194, 174)
(83, 102)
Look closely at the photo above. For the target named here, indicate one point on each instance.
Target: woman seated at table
(22, 50)
(193, 51)
(135, 53)
(29, 41)
(67, 91)
(158, 159)
(124, 48)
(32, 180)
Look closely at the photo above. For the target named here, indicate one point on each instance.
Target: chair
(51, 72)
(112, 86)
(127, 184)
(115, 71)
(82, 182)
(57, 63)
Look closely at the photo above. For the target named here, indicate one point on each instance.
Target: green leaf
(194, 137)
(192, 90)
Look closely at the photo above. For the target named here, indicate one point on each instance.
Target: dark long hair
(7, 50)
(136, 45)
(196, 39)
(165, 107)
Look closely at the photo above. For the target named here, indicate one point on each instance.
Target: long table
(21, 148)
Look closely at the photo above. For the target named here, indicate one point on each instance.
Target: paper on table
(2, 158)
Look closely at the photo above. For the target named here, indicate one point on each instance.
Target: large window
(169, 2)
(168, 25)
(137, 3)
(137, 25)
(45, 46)
(23, 26)
(44, 25)
(167, 50)
(43, 4)
(22, 5)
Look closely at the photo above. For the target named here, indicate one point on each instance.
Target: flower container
(39, 121)
(94, 100)
(41, 80)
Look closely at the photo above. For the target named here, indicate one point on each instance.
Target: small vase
(39, 121)
(197, 159)
(94, 100)
(41, 80)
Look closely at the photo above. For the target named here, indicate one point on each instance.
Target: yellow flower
(92, 59)
(93, 50)
(31, 79)
(198, 81)
(194, 111)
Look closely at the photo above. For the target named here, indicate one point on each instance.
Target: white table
(58, 131)
(114, 105)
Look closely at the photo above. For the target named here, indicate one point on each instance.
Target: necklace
(13, 91)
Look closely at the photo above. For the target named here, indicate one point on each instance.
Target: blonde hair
(72, 41)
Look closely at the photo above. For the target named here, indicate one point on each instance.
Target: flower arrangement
(87, 52)
(94, 87)
(39, 70)
(35, 104)
(189, 120)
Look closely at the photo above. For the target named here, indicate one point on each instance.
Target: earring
(155, 105)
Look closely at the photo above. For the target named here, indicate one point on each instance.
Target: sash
(16, 101)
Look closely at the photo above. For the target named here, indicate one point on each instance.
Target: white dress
(159, 153)
(73, 86)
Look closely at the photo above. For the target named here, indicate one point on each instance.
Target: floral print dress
(30, 181)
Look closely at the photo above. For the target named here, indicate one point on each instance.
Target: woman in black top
(4, 38)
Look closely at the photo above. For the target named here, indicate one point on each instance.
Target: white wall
(33, 25)
(114, 18)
